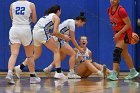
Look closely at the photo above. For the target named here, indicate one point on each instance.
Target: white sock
(24, 64)
(100, 73)
(101, 69)
(132, 69)
(10, 72)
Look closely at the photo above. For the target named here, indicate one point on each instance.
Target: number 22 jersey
(21, 13)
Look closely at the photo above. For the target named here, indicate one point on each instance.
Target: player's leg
(87, 74)
(68, 50)
(127, 58)
(30, 62)
(18, 69)
(116, 60)
(81, 69)
(52, 45)
(103, 68)
(37, 54)
(12, 60)
(49, 68)
(87, 68)
(92, 68)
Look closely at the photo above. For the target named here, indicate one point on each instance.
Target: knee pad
(117, 55)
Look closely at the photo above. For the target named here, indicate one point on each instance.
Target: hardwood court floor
(90, 85)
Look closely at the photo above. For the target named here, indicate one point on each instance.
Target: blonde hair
(82, 36)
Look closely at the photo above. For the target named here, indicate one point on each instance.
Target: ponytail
(81, 17)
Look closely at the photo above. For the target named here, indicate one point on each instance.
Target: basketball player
(84, 66)
(121, 25)
(68, 28)
(22, 13)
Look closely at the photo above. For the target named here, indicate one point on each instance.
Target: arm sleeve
(123, 13)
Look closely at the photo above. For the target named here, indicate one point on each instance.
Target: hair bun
(82, 13)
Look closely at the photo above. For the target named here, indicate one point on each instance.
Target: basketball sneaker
(34, 80)
(73, 75)
(10, 79)
(17, 71)
(60, 76)
(132, 74)
(37, 77)
(47, 70)
(112, 76)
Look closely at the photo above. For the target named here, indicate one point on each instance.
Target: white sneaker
(17, 71)
(9, 79)
(47, 70)
(34, 80)
(73, 76)
(60, 76)
(37, 77)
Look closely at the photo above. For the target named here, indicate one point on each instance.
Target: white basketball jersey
(85, 55)
(67, 25)
(45, 23)
(21, 13)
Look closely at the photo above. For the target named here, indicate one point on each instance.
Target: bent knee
(30, 58)
(87, 61)
(73, 54)
(94, 63)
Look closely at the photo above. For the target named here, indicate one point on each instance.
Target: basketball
(134, 39)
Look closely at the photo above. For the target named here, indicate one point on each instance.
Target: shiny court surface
(89, 85)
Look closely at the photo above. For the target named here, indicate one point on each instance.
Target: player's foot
(17, 71)
(132, 74)
(10, 79)
(73, 75)
(47, 70)
(37, 77)
(34, 80)
(60, 76)
(112, 76)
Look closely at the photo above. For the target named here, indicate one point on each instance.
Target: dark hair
(81, 17)
(52, 9)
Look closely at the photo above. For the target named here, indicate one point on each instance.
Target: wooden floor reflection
(89, 85)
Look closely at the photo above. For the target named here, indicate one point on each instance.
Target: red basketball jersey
(116, 18)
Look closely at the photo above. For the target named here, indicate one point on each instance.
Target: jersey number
(20, 10)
